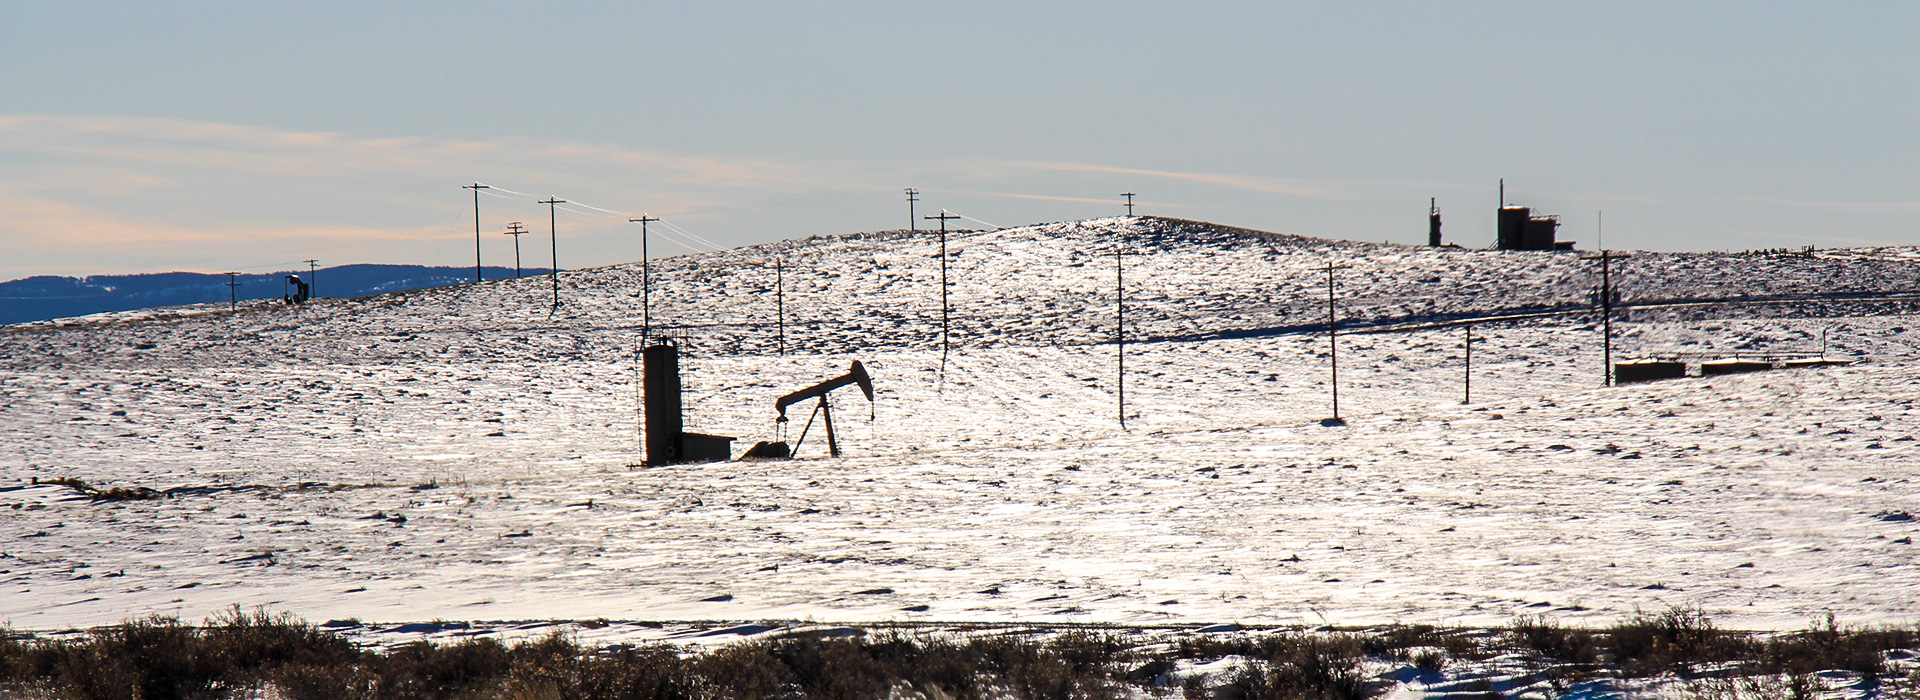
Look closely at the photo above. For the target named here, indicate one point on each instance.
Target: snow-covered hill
(465, 453)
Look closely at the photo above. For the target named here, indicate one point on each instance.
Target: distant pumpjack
(301, 290)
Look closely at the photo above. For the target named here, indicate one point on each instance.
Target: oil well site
(1519, 434)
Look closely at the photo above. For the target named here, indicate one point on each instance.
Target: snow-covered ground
(460, 454)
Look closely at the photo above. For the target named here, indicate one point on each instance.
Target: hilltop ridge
(1040, 285)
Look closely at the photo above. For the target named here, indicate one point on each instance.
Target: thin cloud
(177, 143)
(1870, 208)
(100, 242)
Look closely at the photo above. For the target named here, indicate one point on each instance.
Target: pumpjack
(823, 410)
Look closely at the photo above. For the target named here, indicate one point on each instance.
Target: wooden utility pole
(1120, 329)
(913, 222)
(1606, 313)
(553, 229)
(311, 275)
(1333, 346)
(646, 280)
(1129, 196)
(515, 229)
(476, 187)
(1467, 377)
(780, 303)
(944, 217)
(233, 292)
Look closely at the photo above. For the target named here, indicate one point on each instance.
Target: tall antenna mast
(646, 280)
(553, 228)
(476, 187)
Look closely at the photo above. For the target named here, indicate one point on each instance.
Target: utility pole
(1606, 314)
(311, 283)
(476, 187)
(1468, 375)
(646, 280)
(553, 233)
(515, 229)
(1120, 329)
(780, 303)
(233, 292)
(944, 217)
(640, 399)
(913, 223)
(1129, 196)
(1333, 347)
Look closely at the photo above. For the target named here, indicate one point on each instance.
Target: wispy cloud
(182, 143)
(84, 193)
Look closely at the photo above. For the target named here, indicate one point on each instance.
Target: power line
(977, 221)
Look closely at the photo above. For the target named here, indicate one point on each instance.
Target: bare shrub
(1548, 638)
(1675, 642)
(1304, 666)
(1826, 645)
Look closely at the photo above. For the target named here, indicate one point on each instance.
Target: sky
(245, 136)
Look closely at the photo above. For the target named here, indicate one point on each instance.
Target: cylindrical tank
(1541, 232)
(1513, 228)
(662, 386)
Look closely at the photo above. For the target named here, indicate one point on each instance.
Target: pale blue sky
(240, 135)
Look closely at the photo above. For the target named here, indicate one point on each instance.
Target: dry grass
(117, 493)
(241, 654)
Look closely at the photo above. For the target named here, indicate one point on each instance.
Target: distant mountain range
(47, 297)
